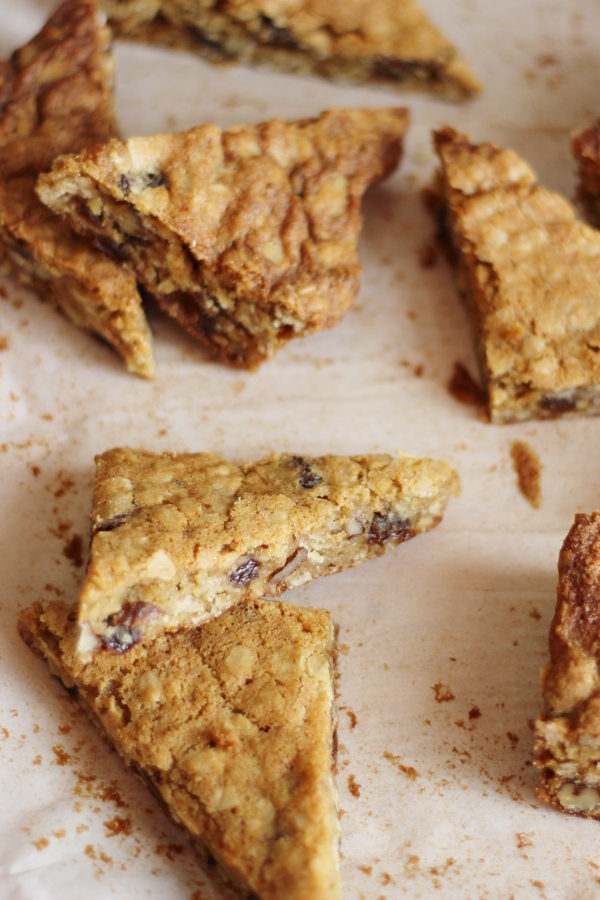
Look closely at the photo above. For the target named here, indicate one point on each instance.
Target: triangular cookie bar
(387, 42)
(567, 734)
(232, 725)
(247, 237)
(529, 273)
(56, 97)
(586, 149)
(178, 538)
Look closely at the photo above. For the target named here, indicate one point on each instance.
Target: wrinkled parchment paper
(441, 640)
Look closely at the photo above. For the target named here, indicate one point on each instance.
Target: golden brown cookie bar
(567, 733)
(56, 97)
(586, 149)
(233, 727)
(385, 42)
(178, 538)
(529, 273)
(246, 237)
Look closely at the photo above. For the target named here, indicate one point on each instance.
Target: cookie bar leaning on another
(56, 97)
(178, 538)
(529, 273)
(567, 734)
(381, 42)
(246, 237)
(586, 149)
(233, 727)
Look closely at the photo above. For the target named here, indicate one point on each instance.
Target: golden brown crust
(586, 149)
(529, 273)
(567, 733)
(247, 237)
(177, 538)
(56, 97)
(380, 42)
(232, 725)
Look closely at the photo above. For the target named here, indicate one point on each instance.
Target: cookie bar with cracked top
(56, 97)
(529, 273)
(567, 733)
(586, 149)
(247, 237)
(178, 538)
(381, 42)
(232, 725)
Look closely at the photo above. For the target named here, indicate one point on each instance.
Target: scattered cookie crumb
(39, 845)
(73, 551)
(3, 343)
(62, 757)
(352, 716)
(474, 712)
(353, 786)
(464, 388)
(513, 738)
(366, 869)
(442, 692)
(527, 465)
(409, 771)
(523, 840)
(118, 825)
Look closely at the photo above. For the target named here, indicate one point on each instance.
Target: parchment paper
(442, 640)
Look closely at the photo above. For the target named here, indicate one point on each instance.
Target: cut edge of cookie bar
(543, 363)
(390, 45)
(233, 727)
(178, 538)
(56, 97)
(586, 150)
(248, 237)
(567, 733)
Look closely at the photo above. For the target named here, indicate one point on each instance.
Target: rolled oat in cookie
(391, 43)
(232, 725)
(567, 732)
(529, 273)
(247, 237)
(56, 96)
(178, 538)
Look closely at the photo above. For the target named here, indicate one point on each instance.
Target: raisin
(156, 179)
(276, 35)
(124, 184)
(388, 527)
(308, 478)
(110, 524)
(557, 405)
(245, 572)
(126, 634)
(121, 639)
(399, 69)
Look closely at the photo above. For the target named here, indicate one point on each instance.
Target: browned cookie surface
(529, 272)
(387, 42)
(56, 97)
(567, 733)
(248, 237)
(177, 538)
(232, 725)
